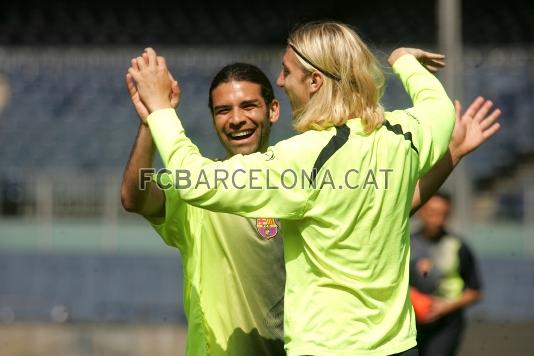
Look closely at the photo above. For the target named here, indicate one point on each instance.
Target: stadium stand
(244, 22)
(91, 288)
(81, 117)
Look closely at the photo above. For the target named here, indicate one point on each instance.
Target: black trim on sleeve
(339, 139)
(397, 129)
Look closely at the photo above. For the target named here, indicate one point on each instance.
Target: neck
(433, 234)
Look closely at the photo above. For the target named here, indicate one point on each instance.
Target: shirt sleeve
(249, 185)
(432, 114)
(469, 269)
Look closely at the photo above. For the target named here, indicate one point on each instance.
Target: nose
(237, 118)
(280, 81)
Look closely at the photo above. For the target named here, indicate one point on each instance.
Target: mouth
(240, 135)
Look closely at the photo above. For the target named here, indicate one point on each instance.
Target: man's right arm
(433, 112)
(140, 193)
(148, 201)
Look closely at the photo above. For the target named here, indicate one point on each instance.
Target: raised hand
(471, 130)
(431, 61)
(140, 108)
(155, 85)
(474, 127)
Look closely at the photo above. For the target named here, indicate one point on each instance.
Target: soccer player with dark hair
(233, 266)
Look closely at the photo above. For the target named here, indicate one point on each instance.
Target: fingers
(432, 68)
(170, 75)
(151, 54)
(458, 109)
(491, 130)
(490, 119)
(132, 89)
(161, 62)
(146, 59)
(175, 86)
(131, 76)
(175, 99)
(437, 62)
(474, 107)
(432, 61)
(140, 63)
(134, 73)
(483, 111)
(175, 92)
(432, 55)
(134, 63)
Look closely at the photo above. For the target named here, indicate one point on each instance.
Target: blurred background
(79, 276)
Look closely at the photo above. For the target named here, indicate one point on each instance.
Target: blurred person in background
(443, 268)
(233, 266)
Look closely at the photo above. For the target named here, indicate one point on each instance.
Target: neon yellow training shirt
(346, 238)
(233, 279)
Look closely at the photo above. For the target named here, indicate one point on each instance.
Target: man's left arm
(471, 130)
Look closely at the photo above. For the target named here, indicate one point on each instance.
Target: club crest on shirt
(267, 228)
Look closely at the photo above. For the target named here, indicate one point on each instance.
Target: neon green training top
(345, 198)
(233, 279)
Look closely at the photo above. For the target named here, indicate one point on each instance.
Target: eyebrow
(248, 102)
(244, 102)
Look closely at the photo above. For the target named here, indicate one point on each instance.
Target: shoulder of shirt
(307, 140)
(400, 116)
(462, 244)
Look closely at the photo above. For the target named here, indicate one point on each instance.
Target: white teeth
(241, 133)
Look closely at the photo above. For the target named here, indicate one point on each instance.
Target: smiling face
(241, 117)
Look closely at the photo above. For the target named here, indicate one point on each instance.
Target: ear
(274, 111)
(316, 81)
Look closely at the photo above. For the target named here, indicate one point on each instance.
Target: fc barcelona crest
(267, 228)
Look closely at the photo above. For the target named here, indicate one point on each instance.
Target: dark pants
(442, 337)
(410, 352)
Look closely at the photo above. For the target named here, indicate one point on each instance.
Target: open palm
(474, 127)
